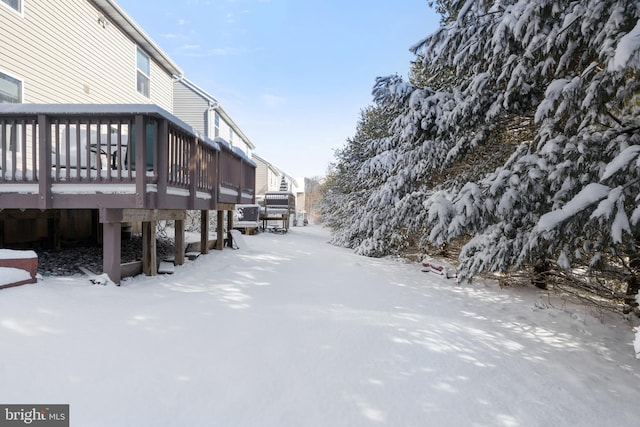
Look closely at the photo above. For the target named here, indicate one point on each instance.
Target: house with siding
(88, 141)
(269, 178)
(267, 175)
(296, 187)
(80, 51)
(202, 111)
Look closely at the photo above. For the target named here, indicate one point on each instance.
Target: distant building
(202, 111)
(267, 175)
(270, 178)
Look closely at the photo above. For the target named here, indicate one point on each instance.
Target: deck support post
(149, 264)
(111, 251)
(53, 231)
(204, 231)
(96, 230)
(220, 231)
(179, 242)
(229, 228)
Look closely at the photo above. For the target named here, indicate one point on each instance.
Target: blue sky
(293, 74)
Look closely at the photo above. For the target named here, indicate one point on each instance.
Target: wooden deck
(127, 162)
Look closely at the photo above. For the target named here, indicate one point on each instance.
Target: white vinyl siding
(262, 178)
(225, 130)
(267, 176)
(65, 55)
(191, 108)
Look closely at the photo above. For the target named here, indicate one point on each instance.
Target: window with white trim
(143, 78)
(231, 136)
(10, 89)
(14, 4)
(216, 121)
(11, 93)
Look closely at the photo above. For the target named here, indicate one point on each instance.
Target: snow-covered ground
(290, 331)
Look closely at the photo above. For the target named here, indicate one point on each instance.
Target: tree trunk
(540, 270)
(633, 283)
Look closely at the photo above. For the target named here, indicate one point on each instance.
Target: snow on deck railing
(96, 144)
(107, 144)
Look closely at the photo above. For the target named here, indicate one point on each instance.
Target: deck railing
(125, 156)
(235, 169)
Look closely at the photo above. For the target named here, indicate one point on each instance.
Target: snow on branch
(622, 160)
(627, 53)
(588, 196)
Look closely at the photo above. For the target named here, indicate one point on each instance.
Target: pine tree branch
(615, 119)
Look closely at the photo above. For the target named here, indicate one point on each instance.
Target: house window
(231, 136)
(14, 4)
(144, 72)
(10, 89)
(11, 93)
(216, 121)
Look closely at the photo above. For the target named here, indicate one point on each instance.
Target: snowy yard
(290, 331)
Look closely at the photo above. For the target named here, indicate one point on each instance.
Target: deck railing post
(44, 169)
(141, 162)
(241, 180)
(216, 180)
(194, 169)
(163, 162)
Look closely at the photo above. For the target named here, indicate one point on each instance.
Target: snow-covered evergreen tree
(571, 193)
(346, 191)
(522, 139)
